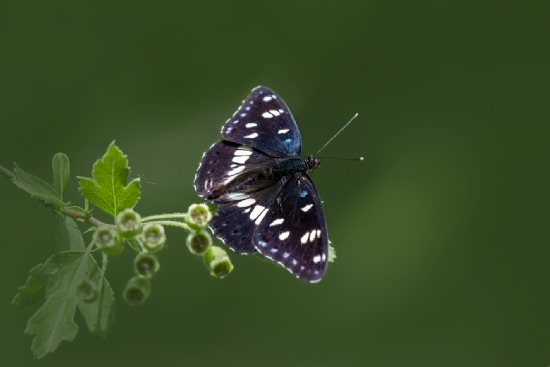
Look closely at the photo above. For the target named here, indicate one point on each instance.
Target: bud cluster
(150, 237)
(199, 241)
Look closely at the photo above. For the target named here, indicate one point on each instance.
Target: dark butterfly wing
(239, 215)
(264, 122)
(222, 163)
(230, 176)
(294, 232)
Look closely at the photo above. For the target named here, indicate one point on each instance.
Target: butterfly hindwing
(264, 122)
(239, 214)
(293, 232)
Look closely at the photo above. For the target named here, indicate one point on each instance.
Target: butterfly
(266, 201)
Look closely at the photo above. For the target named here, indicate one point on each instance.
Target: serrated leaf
(68, 235)
(331, 254)
(61, 173)
(108, 190)
(35, 186)
(54, 321)
(100, 313)
(34, 289)
(133, 244)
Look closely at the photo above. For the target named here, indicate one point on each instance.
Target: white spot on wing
(283, 131)
(316, 258)
(277, 222)
(243, 114)
(267, 98)
(312, 236)
(236, 196)
(261, 217)
(251, 124)
(247, 210)
(243, 152)
(274, 112)
(245, 203)
(307, 207)
(241, 159)
(318, 233)
(252, 136)
(258, 209)
(304, 238)
(283, 236)
(234, 171)
(267, 115)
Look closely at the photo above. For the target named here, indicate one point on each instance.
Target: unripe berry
(198, 216)
(218, 262)
(153, 237)
(146, 264)
(128, 223)
(137, 290)
(199, 242)
(108, 240)
(86, 291)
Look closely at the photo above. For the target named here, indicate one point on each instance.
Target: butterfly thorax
(290, 165)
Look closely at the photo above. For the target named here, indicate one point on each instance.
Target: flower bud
(198, 216)
(108, 240)
(137, 290)
(199, 242)
(218, 262)
(146, 264)
(86, 291)
(153, 237)
(128, 223)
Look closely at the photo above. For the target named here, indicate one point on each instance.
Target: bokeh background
(442, 233)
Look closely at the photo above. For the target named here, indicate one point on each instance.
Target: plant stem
(6, 172)
(164, 216)
(86, 216)
(172, 223)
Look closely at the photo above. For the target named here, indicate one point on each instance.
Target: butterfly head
(311, 163)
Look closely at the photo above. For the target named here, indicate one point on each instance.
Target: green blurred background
(442, 234)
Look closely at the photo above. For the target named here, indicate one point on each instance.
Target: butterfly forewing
(294, 232)
(264, 122)
(222, 164)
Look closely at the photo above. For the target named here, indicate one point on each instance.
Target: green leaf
(133, 244)
(99, 314)
(61, 173)
(34, 289)
(331, 254)
(68, 235)
(108, 190)
(38, 188)
(212, 207)
(54, 321)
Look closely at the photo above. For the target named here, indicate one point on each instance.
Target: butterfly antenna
(335, 135)
(343, 159)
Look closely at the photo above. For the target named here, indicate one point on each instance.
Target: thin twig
(6, 172)
(86, 216)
